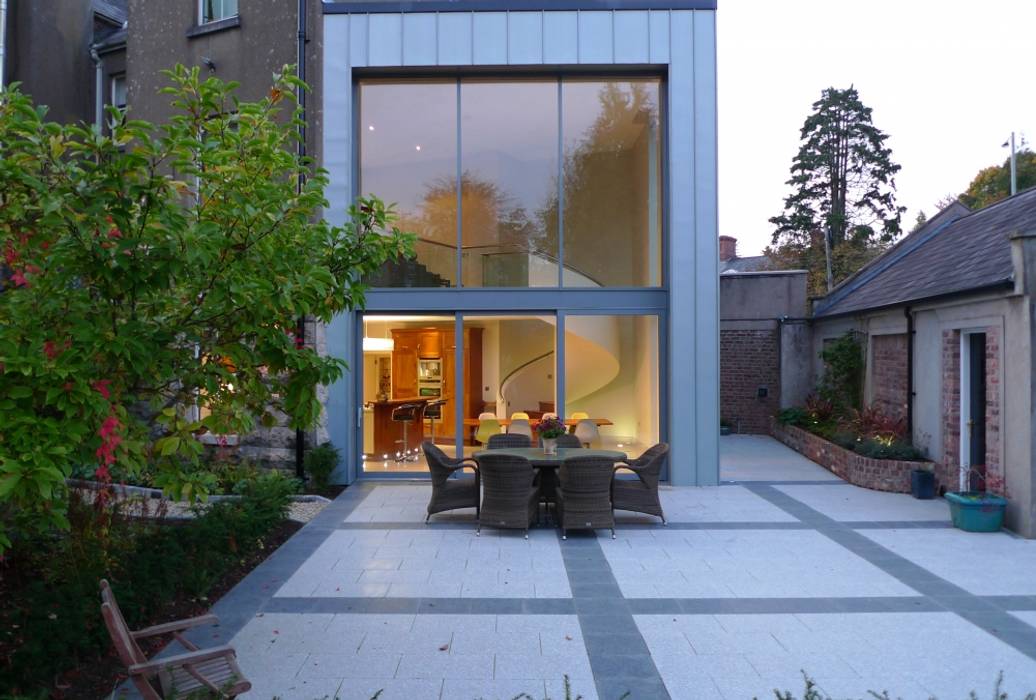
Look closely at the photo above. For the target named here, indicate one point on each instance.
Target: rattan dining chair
(510, 494)
(641, 494)
(584, 494)
(504, 440)
(568, 440)
(447, 493)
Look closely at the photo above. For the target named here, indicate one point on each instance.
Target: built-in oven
(430, 392)
(429, 370)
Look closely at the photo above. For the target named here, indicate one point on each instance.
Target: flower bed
(879, 474)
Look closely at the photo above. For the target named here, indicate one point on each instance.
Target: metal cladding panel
(706, 237)
(490, 39)
(596, 37)
(658, 29)
(632, 37)
(420, 47)
(385, 40)
(560, 37)
(525, 38)
(455, 38)
(358, 40)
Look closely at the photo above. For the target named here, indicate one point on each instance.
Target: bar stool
(404, 413)
(433, 412)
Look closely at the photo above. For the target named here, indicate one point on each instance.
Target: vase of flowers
(550, 429)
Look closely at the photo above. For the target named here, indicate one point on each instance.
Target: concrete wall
(762, 295)
(48, 51)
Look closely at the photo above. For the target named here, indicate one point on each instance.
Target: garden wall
(878, 474)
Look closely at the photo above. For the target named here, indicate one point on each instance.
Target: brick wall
(879, 474)
(951, 375)
(889, 374)
(749, 360)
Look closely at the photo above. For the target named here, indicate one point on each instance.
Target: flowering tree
(159, 268)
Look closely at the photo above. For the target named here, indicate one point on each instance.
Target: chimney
(727, 248)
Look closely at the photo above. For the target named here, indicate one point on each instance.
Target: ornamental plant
(159, 268)
(551, 428)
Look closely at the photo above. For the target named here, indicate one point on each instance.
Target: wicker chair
(641, 495)
(568, 440)
(447, 493)
(504, 440)
(512, 498)
(584, 494)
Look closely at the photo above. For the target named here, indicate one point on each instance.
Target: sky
(948, 81)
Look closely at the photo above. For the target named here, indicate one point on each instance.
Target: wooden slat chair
(197, 671)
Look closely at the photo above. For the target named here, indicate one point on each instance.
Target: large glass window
(526, 220)
(612, 380)
(408, 156)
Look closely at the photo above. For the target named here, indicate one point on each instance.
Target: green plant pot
(976, 511)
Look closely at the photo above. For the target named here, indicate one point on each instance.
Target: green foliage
(843, 182)
(156, 268)
(812, 692)
(53, 621)
(320, 462)
(842, 383)
(994, 183)
(796, 416)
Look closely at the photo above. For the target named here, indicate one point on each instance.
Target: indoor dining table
(547, 464)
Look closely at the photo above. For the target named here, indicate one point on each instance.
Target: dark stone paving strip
(982, 612)
(423, 606)
(619, 656)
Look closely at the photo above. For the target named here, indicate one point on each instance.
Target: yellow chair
(579, 415)
(488, 425)
(520, 424)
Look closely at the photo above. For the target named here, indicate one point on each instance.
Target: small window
(216, 10)
(118, 97)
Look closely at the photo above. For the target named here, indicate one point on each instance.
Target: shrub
(54, 600)
(795, 416)
(896, 449)
(842, 383)
(320, 463)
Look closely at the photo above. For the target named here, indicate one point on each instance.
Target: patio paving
(784, 568)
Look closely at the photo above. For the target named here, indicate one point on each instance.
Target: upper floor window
(215, 10)
(518, 182)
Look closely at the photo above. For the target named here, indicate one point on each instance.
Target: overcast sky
(948, 81)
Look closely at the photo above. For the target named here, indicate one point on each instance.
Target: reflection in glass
(408, 155)
(612, 373)
(509, 149)
(408, 390)
(611, 203)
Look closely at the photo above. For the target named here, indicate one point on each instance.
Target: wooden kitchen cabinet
(404, 364)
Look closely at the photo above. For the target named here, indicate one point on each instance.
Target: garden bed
(868, 472)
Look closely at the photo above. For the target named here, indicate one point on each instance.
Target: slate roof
(957, 251)
(113, 10)
(752, 263)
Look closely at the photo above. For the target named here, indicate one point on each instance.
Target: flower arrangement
(551, 428)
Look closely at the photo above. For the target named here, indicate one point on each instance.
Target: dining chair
(568, 440)
(641, 494)
(504, 440)
(488, 424)
(579, 415)
(584, 494)
(447, 493)
(520, 424)
(586, 432)
(510, 495)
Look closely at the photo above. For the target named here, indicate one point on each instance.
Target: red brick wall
(878, 474)
(748, 360)
(889, 374)
(948, 475)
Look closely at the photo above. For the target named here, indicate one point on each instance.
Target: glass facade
(538, 182)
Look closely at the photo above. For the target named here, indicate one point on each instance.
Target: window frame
(202, 21)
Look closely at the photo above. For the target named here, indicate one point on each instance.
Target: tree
(994, 183)
(842, 211)
(156, 269)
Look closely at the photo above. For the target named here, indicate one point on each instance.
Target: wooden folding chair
(196, 671)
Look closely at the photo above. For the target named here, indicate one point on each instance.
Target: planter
(922, 484)
(550, 446)
(976, 511)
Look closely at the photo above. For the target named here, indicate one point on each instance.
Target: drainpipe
(98, 87)
(910, 372)
(300, 435)
(3, 43)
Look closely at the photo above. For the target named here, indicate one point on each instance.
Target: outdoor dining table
(548, 464)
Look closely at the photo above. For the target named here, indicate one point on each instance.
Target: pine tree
(842, 211)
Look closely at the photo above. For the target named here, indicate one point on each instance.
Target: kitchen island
(388, 431)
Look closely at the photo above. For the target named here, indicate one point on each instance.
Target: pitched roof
(752, 263)
(956, 251)
(112, 10)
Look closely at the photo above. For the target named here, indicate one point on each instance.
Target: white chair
(520, 425)
(488, 425)
(586, 431)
